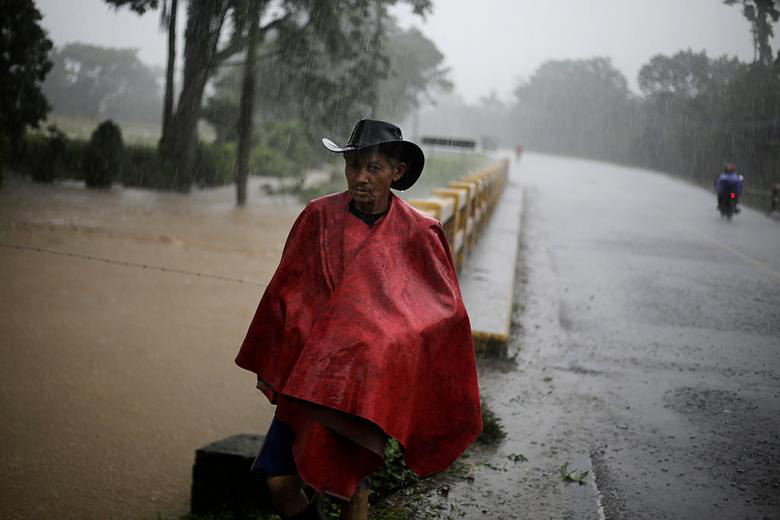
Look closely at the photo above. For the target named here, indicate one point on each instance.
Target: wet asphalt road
(646, 339)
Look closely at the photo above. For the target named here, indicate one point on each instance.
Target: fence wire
(126, 263)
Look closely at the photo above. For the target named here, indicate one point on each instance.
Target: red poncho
(362, 334)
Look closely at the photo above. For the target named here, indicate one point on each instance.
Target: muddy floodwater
(120, 315)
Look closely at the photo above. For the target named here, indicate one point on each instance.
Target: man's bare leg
(287, 494)
(357, 507)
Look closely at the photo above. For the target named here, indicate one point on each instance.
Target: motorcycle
(728, 205)
(728, 197)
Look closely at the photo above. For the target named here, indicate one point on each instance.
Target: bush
(142, 168)
(285, 150)
(104, 159)
(267, 162)
(46, 155)
(104, 155)
(215, 164)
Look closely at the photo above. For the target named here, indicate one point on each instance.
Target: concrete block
(222, 480)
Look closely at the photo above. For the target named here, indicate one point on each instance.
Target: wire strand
(126, 263)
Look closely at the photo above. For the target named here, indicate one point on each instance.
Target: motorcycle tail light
(733, 196)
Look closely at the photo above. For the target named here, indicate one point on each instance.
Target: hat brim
(410, 154)
(333, 147)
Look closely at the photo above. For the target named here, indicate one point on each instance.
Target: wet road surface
(647, 344)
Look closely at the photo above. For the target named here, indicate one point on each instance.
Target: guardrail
(463, 207)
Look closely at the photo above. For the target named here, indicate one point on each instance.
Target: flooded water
(121, 313)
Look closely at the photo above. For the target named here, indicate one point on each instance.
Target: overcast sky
(488, 44)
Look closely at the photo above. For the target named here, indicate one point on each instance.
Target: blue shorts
(275, 458)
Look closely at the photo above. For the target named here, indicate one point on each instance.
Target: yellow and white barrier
(464, 207)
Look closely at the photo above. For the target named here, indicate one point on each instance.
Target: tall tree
(334, 27)
(415, 73)
(246, 113)
(574, 105)
(326, 90)
(298, 24)
(201, 55)
(761, 14)
(168, 20)
(685, 74)
(24, 63)
(168, 14)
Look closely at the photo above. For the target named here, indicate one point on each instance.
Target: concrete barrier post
(459, 197)
(443, 210)
(471, 221)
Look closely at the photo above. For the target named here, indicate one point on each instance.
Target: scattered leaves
(517, 457)
(572, 475)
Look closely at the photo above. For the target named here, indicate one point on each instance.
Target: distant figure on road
(518, 151)
(729, 182)
(362, 335)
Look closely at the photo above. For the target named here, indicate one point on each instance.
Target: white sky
(488, 44)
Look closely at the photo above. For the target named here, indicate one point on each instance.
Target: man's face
(369, 176)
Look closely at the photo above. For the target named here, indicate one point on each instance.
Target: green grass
(132, 132)
(82, 128)
(492, 430)
(442, 167)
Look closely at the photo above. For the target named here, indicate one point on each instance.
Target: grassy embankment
(82, 128)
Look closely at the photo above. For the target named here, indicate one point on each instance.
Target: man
(362, 335)
(729, 182)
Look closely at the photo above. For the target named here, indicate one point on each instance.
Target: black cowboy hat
(370, 132)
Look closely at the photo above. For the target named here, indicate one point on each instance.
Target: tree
(99, 82)
(168, 19)
(324, 90)
(759, 13)
(139, 6)
(416, 73)
(246, 115)
(575, 105)
(685, 74)
(168, 12)
(336, 27)
(294, 24)
(201, 55)
(24, 63)
(326, 85)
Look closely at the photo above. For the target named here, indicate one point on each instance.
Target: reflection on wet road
(647, 337)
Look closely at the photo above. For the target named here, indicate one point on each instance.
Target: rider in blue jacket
(727, 182)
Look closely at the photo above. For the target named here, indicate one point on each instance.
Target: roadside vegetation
(257, 93)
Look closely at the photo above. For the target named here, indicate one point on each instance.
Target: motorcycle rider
(728, 182)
